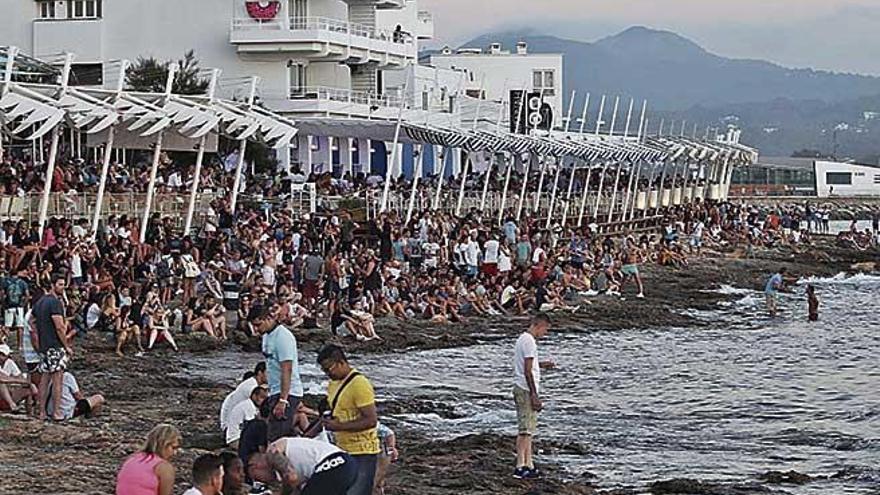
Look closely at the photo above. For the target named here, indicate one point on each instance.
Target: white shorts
(14, 318)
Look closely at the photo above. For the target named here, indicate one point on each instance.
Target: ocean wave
(841, 279)
(731, 290)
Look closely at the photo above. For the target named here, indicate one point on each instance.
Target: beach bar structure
(572, 178)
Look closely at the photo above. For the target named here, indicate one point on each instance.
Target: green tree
(149, 75)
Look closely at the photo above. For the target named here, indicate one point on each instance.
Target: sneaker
(259, 489)
(520, 472)
(640, 296)
(531, 474)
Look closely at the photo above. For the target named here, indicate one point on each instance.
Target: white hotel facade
(315, 59)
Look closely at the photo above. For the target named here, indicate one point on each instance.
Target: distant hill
(675, 73)
(781, 110)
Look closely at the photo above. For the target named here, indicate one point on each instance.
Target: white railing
(342, 95)
(323, 24)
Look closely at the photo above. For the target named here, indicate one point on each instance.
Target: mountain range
(780, 109)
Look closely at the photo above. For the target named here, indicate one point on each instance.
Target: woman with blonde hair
(149, 471)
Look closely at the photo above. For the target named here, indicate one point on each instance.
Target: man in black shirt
(53, 345)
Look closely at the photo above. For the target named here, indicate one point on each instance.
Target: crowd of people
(263, 272)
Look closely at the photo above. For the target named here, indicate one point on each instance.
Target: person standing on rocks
(53, 345)
(526, 393)
(352, 416)
(282, 364)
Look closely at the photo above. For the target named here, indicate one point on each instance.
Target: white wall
(865, 180)
(16, 23)
(508, 71)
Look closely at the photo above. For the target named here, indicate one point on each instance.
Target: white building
(314, 57)
(835, 179)
(499, 71)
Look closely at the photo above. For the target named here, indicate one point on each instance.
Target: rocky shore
(82, 457)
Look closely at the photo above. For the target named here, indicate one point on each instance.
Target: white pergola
(30, 111)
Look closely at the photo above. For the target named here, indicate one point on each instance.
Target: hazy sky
(841, 35)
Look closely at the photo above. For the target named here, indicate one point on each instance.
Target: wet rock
(685, 486)
(786, 478)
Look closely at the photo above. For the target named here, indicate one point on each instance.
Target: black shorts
(333, 476)
(509, 304)
(82, 408)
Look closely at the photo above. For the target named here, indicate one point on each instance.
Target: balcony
(322, 38)
(59, 35)
(425, 25)
(327, 101)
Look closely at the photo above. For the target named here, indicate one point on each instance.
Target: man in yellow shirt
(352, 416)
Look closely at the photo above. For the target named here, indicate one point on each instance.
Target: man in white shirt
(526, 390)
(242, 412)
(207, 474)
(490, 257)
(311, 466)
(73, 403)
(242, 392)
(472, 256)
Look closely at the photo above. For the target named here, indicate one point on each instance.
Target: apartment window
(46, 10)
(84, 9)
(298, 78)
(838, 178)
(544, 81)
(877, 179)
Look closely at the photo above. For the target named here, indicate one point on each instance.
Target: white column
(568, 195)
(553, 193)
(239, 170)
(304, 153)
(194, 191)
(599, 192)
(492, 159)
(584, 197)
(50, 172)
(439, 156)
(511, 162)
(537, 207)
(417, 173)
(345, 154)
(151, 185)
(522, 197)
(468, 164)
(102, 182)
(636, 192)
(614, 192)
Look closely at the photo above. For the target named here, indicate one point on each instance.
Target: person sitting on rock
(73, 403)
(207, 474)
(14, 385)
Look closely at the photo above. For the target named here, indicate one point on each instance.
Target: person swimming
(812, 303)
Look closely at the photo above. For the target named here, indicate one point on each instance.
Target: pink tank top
(137, 475)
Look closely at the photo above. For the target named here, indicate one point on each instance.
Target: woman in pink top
(149, 471)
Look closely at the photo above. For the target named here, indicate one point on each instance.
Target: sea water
(724, 403)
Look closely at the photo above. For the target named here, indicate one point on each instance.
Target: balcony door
(299, 12)
(298, 76)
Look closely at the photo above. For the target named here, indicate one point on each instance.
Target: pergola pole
(157, 153)
(584, 196)
(648, 192)
(440, 178)
(537, 207)
(389, 167)
(510, 165)
(568, 196)
(200, 157)
(105, 167)
(468, 161)
(522, 196)
(236, 184)
(625, 136)
(494, 155)
(11, 53)
(559, 162)
(614, 191)
(420, 163)
(53, 151)
(599, 191)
